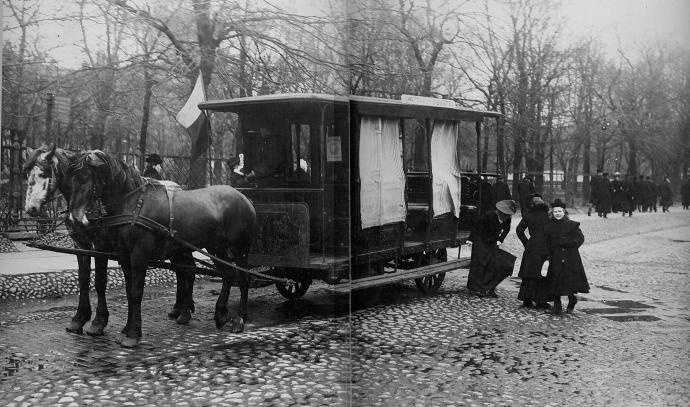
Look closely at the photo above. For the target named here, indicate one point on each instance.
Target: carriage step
(384, 279)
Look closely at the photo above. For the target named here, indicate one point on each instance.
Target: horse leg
(101, 282)
(241, 317)
(135, 293)
(83, 313)
(184, 304)
(127, 274)
(221, 314)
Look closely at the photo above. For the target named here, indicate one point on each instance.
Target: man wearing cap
(488, 265)
(153, 166)
(617, 195)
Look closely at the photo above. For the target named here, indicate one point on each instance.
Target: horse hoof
(237, 325)
(128, 342)
(95, 330)
(174, 313)
(221, 319)
(75, 328)
(184, 318)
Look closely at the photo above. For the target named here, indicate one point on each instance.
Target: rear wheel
(429, 285)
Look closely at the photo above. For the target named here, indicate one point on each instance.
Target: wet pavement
(627, 343)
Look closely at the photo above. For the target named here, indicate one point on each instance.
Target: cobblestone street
(627, 343)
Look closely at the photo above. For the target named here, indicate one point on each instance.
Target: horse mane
(113, 173)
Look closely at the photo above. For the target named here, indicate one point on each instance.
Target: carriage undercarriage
(426, 267)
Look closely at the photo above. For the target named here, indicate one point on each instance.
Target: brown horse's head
(41, 167)
(95, 175)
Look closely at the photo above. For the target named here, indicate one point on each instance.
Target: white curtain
(445, 168)
(382, 193)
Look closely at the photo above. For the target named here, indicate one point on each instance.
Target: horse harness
(136, 219)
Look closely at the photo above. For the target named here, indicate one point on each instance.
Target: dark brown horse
(218, 218)
(47, 172)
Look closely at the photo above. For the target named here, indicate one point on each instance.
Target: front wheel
(429, 285)
(293, 292)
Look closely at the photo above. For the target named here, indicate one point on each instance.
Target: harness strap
(170, 193)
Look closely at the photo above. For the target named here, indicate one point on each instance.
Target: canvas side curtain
(382, 193)
(445, 168)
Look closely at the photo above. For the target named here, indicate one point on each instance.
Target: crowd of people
(629, 194)
(551, 266)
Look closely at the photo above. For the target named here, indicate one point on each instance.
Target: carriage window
(301, 152)
(416, 146)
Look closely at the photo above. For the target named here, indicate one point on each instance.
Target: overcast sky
(628, 24)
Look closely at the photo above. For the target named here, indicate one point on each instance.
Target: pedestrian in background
(653, 193)
(629, 194)
(566, 274)
(603, 195)
(487, 269)
(536, 251)
(666, 194)
(153, 166)
(594, 190)
(617, 194)
(525, 191)
(501, 190)
(685, 193)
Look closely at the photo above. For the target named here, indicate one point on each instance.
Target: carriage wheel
(293, 292)
(429, 285)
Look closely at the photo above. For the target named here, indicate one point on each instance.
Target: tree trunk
(586, 166)
(146, 111)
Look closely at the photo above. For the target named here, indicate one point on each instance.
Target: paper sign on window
(333, 149)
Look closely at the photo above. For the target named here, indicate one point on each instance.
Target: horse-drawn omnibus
(355, 191)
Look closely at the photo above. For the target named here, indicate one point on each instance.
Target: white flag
(190, 111)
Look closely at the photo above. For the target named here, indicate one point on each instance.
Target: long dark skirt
(532, 289)
(489, 266)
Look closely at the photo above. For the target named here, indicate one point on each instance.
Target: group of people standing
(553, 238)
(628, 194)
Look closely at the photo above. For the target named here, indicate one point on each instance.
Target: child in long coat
(566, 274)
(536, 251)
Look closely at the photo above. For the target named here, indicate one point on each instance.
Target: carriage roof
(363, 105)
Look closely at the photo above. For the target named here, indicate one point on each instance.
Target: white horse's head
(41, 169)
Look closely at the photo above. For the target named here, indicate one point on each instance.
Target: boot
(557, 307)
(543, 305)
(572, 300)
(526, 304)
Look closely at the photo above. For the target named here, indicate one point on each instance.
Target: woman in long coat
(535, 252)
(487, 268)
(566, 274)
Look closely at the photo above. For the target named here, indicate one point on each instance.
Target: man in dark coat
(593, 191)
(666, 195)
(501, 190)
(525, 191)
(153, 166)
(639, 192)
(536, 251)
(628, 195)
(488, 266)
(603, 194)
(617, 195)
(685, 193)
(653, 189)
(566, 273)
